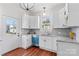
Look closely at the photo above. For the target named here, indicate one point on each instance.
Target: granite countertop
(68, 41)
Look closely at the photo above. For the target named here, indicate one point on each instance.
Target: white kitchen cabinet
(26, 41)
(30, 22)
(34, 22)
(61, 17)
(67, 48)
(73, 14)
(25, 21)
(61, 20)
(48, 43)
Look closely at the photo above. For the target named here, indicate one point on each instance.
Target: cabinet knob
(27, 40)
(64, 12)
(0, 40)
(44, 40)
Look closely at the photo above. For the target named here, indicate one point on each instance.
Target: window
(10, 25)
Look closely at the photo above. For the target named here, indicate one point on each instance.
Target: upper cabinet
(73, 14)
(34, 22)
(25, 21)
(67, 16)
(61, 19)
(30, 22)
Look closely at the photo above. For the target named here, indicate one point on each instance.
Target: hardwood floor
(33, 51)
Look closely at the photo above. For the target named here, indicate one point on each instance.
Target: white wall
(12, 10)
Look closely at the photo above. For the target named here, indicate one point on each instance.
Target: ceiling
(36, 10)
(50, 7)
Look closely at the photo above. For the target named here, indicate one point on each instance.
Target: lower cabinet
(47, 43)
(67, 49)
(26, 41)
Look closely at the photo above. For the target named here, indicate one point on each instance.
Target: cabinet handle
(66, 19)
(27, 40)
(64, 12)
(44, 40)
(0, 40)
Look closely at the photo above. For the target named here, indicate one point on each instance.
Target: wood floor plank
(32, 51)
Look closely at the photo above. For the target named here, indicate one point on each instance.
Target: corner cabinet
(30, 22)
(26, 41)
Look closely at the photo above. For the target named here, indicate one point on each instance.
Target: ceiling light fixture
(27, 6)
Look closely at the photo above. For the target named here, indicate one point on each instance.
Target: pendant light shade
(44, 12)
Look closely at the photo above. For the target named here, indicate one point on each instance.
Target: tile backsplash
(61, 32)
(58, 31)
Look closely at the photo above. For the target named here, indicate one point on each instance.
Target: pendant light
(44, 12)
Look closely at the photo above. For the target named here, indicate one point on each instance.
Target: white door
(9, 34)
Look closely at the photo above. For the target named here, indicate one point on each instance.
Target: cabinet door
(42, 42)
(62, 17)
(48, 43)
(26, 41)
(54, 43)
(25, 22)
(56, 20)
(29, 41)
(51, 43)
(73, 14)
(34, 22)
